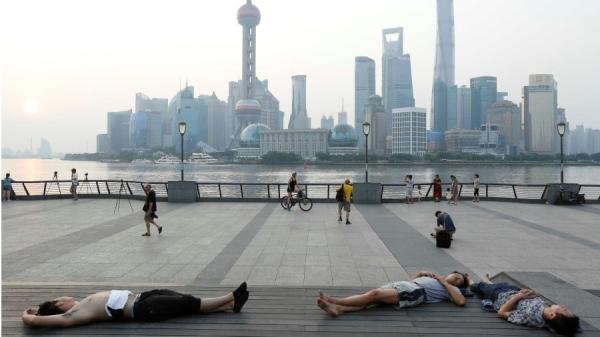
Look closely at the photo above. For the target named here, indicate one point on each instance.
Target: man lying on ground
(149, 306)
(426, 287)
(525, 307)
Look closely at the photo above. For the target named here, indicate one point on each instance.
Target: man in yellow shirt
(346, 190)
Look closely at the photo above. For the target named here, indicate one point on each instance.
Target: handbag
(339, 194)
(443, 239)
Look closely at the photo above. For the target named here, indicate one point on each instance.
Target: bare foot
(327, 307)
(326, 298)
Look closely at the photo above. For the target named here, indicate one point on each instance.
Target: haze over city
(67, 63)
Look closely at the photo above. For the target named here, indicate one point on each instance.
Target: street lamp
(561, 127)
(182, 127)
(366, 129)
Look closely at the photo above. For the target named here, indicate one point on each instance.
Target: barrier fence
(212, 191)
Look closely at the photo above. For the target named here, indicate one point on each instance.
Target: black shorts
(476, 192)
(161, 304)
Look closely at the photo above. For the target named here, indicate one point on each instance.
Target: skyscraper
(483, 95)
(299, 119)
(375, 114)
(443, 76)
(364, 87)
(327, 122)
(463, 107)
(193, 111)
(342, 116)
(146, 125)
(247, 108)
(396, 86)
(118, 130)
(540, 112)
(409, 131)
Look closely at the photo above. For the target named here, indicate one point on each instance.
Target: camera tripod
(85, 183)
(122, 189)
(52, 182)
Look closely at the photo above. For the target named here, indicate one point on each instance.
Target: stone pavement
(224, 243)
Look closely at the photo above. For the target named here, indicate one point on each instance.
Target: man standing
(409, 187)
(7, 187)
(444, 223)
(150, 209)
(74, 184)
(453, 190)
(476, 188)
(346, 190)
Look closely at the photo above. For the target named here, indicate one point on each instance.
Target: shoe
(348, 222)
(432, 235)
(159, 229)
(146, 234)
(340, 219)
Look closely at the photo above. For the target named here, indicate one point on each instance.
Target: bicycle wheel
(285, 202)
(305, 204)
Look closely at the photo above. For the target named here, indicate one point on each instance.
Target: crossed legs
(336, 306)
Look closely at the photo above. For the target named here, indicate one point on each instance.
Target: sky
(66, 63)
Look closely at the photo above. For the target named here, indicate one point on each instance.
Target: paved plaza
(85, 242)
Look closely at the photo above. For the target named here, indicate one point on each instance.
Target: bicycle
(303, 202)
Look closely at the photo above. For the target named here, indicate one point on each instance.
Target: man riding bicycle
(292, 187)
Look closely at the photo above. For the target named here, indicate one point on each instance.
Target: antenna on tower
(342, 104)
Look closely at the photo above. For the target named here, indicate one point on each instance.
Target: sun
(31, 107)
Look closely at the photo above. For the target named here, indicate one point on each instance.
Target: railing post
(428, 190)
(327, 191)
(220, 194)
(25, 188)
(45, 182)
(515, 191)
(107, 188)
(129, 188)
(197, 192)
(486, 190)
(306, 190)
(460, 190)
(98, 187)
(269, 191)
(278, 191)
(242, 190)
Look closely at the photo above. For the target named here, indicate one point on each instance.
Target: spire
(342, 104)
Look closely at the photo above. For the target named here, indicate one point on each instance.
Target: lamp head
(182, 127)
(366, 128)
(561, 128)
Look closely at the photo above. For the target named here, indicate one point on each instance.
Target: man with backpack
(344, 196)
(444, 223)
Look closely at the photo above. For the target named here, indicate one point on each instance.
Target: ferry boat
(141, 161)
(201, 158)
(168, 159)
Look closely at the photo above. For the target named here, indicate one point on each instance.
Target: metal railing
(212, 191)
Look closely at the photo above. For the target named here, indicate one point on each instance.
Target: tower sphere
(248, 15)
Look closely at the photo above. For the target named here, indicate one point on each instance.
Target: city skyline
(99, 68)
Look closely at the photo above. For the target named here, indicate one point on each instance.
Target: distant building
(299, 118)
(118, 130)
(327, 122)
(375, 114)
(463, 107)
(483, 95)
(306, 143)
(435, 141)
(409, 131)
(45, 150)
(501, 96)
(397, 88)
(443, 76)
(452, 112)
(489, 139)
(102, 143)
(342, 116)
(217, 136)
(364, 87)
(194, 112)
(507, 116)
(462, 140)
(250, 141)
(145, 129)
(540, 114)
(343, 140)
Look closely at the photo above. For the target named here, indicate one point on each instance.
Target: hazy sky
(66, 63)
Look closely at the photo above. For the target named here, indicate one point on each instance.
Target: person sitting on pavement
(525, 307)
(444, 223)
(426, 287)
(149, 306)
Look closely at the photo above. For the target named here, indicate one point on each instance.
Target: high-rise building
(397, 88)
(327, 122)
(443, 74)
(483, 95)
(299, 118)
(376, 115)
(102, 143)
(540, 113)
(364, 87)
(463, 107)
(118, 130)
(45, 150)
(507, 116)
(451, 109)
(489, 139)
(184, 107)
(148, 122)
(342, 116)
(270, 114)
(463, 140)
(409, 131)
(247, 109)
(501, 96)
(216, 137)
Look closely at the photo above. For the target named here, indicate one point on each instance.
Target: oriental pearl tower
(248, 109)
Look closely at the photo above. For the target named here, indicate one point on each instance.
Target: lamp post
(366, 129)
(182, 127)
(561, 127)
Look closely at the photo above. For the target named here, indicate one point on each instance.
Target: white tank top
(116, 301)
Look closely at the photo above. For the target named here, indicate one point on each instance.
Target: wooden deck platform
(271, 311)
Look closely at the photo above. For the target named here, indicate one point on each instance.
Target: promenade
(84, 245)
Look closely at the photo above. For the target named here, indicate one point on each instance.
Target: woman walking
(437, 188)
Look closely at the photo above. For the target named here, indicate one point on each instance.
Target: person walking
(437, 188)
(150, 209)
(346, 189)
(74, 184)
(476, 188)
(409, 187)
(453, 190)
(7, 187)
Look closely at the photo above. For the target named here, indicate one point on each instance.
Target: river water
(42, 169)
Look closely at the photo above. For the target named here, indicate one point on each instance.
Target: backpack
(339, 194)
(443, 239)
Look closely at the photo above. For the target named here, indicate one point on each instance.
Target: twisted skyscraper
(443, 76)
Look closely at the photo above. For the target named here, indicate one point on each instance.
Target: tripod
(54, 181)
(88, 189)
(118, 203)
